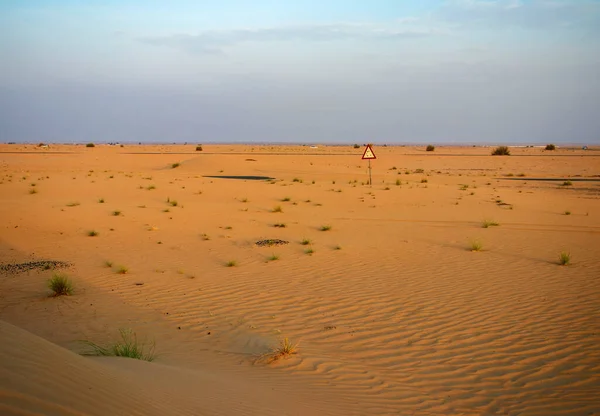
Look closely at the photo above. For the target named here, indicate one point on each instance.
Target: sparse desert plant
(567, 212)
(73, 204)
(285, 349)
(501, 151)
(101, 201)
(33, 191)
(567, 183)
(90, 145)
(198, 148)
(337, 247)
(398, 182)
(309, 251)
(277, 209)
(173, 203)
(476, 245)
(419, 171)
(521, 175)
(286, 199)
(423, 180)
(92, 233)
(279, 225)
(273, 257)
(166, 210)
(325, 227)
(489, 223)
(244, 200)
(297, 180)
(305, 242)
(122, 270)
(231, 263)
(175, 165)
(60, 285)
(430, 148)
(550, 147)
(356, 146)
(128, 347)
(205, 237)
(150, 187)
(108, 263)
(564, 258)
(116, 213)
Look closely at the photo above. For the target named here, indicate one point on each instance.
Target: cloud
(211, 42)
(537, 14)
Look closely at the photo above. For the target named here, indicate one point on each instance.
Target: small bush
(128, 347)
(567, 183)
(423, 180)
(297, 180)
(273, 257)
(356, 146)
(430, 148)
(567, 212)
(108, 263)
(60, 285)
(476, 245)
(325, 227)
(286, 199)
(231, 263)
(175, 165)
(564, 258)
(116, 213)
(90, 145)
(279, 225)
(198, 148)
(501, 151)
(309, 251)
(33, 191)
(285, 349)
(122, 270)
(550, 147)
(101, 201)
(305, 241)
(489, 223)
(92, 233)
(278, 209)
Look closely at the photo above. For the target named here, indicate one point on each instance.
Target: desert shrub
(501, 151)
(550, 147)
(430, 148)
(60, 285)
(90, 145)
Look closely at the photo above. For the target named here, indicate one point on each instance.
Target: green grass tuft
(567, 183)
(476, 245)
(325, 227)
(273, 257)
(564, 258)
(116, 213)
(122, 270)
(128, 346)
(231, 263)
(60, 285)
(305, 242)
(277, 209)
(92, 233)
(489, 223)
(175, 165)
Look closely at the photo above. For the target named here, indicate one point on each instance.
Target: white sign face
(368, 154)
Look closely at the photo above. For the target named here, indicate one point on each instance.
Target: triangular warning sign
(368, 154)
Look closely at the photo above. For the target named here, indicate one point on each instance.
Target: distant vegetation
(550, 147)
(430, 148)
(501, 151)
(356, 146)
(90, 145)
(198, 148)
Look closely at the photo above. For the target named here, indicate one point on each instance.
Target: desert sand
(393, 311)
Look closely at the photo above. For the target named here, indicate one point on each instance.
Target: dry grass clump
(564, 258)
(285, 349)
(128, 346)
(60, 285)
(476, 245)
(501, 151)
(489, 223)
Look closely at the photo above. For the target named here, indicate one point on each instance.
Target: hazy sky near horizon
(443, 71)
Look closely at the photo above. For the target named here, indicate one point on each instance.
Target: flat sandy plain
(393, 311)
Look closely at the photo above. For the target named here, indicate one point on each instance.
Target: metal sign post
(369, 154)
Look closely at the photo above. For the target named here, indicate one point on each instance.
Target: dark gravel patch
(33, 265)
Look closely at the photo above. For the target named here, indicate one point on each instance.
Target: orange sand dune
(393, 311)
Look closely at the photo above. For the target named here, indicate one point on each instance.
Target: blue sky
(300, 71)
